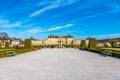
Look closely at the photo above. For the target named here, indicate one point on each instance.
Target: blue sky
(81, 18)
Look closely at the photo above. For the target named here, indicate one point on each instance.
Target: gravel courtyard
(59, 64)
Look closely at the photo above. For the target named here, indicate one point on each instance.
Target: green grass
(18, 51)
(3, 52)
(5, 49)
(112, 49)
(115, 51)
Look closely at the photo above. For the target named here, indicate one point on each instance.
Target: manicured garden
(19, 50)
(93, 48)
(90, 47)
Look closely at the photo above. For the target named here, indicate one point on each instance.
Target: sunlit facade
(57, 40)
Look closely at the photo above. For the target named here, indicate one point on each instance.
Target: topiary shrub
(0, 45)
(28, 44)
(2, 54)
(92, 43)
(114, 44)
(82, 45)
(7, 44)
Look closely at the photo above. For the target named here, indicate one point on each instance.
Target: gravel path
(59, 64)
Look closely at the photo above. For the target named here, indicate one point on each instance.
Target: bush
(53, 46)
(116, 54)
(95, 50)
(2, 54)
(39, 47)
(47, 46)
(68, 46)
(20, 48)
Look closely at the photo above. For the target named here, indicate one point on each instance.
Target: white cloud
(16, 24)
(30, 32)
(40, 30)
(55, 28)
(68, 25)
(6, 24)
(42, 3)
(35, 30)
(52, 4)
(42, 10)
(91, 16)
(60, 27)
(95, 15)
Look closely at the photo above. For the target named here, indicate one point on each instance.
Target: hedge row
(2, 54)
(114, 53)
(18, 51)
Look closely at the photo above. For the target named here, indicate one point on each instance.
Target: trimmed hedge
(95, 50)
(92, 43)
(72, 46)
(2, 54)
(82, 45)
(7, 45)
(114, 53)
(28, 44)
(18, 51)
(114, 44)
(0, 45)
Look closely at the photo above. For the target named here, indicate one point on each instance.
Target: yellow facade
(56, 41)
(2, 42)
(37, 42)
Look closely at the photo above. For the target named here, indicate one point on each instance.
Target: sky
(40, 18)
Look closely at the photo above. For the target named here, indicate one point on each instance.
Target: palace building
(4, 38)
(57, 40)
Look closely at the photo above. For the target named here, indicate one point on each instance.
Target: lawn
(18, 51)
(115, 51)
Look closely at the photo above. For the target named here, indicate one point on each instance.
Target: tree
(92, 43)
(82, 45)
(114, 44)
(28, 44)
(7, 44)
